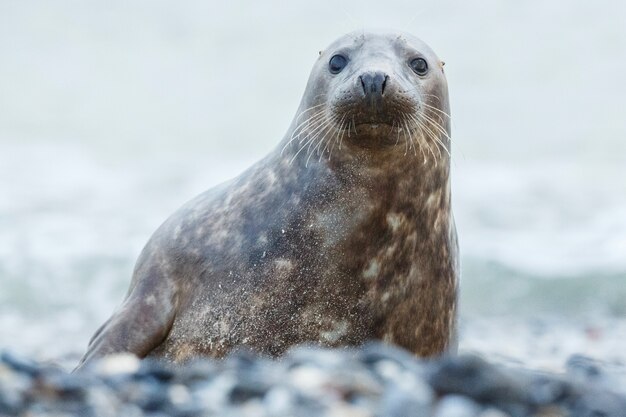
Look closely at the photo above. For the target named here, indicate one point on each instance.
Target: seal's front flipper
(141, 324)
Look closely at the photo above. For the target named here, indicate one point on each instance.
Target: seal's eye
(337, 63)
(419, 65)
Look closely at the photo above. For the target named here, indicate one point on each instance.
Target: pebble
(456, 406)
(375, 380)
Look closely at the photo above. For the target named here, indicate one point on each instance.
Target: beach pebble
(376, 380)
(456, 406)
(120, 363)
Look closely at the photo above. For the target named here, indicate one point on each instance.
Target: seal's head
(376, 91)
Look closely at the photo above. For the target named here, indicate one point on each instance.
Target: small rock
(598, 404)
(544, 390)
(154, 369)
(245, 390)
(20, 364)
(482, 382)
(374, 352)
(121, 363)
(493, 412)
(456, 406)
(583, 368)
(308, 382)
(278, 401)
(400, 402)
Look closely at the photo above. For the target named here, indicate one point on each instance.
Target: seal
(344, 233)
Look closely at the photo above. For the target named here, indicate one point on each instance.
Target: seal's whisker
(412, 139)
(322, 140)
(321, 129)
(341, 140)
(435, 140)
(431, 135)
(409, 129)
(316, 125)
(427, 134)
(309, 140)
(419, 138)
(341, 122)
(440, 144)
(432, 95)
(407, 132)
(343, 132)
(436, 109)
(426, 142)
(308, 123)
(326, 142)
(315, 149)
(297, 153)
(438, 128)
(397, 132)
(420, 141)
(302, 127)
(408, 143)
(436, 124)
(309, 109)
(312, 139)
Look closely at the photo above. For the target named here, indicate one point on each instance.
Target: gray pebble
(456, 406)
(376, 380)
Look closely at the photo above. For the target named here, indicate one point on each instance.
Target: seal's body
(344, 233)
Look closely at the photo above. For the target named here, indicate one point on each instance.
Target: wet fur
(336, 249)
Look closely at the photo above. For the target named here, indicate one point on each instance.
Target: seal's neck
(357, 163)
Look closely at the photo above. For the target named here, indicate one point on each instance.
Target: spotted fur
(355, 243)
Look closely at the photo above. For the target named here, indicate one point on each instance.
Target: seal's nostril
(373, 84)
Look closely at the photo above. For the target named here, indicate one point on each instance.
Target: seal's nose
(373, 84)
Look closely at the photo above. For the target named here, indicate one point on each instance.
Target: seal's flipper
(141, 323)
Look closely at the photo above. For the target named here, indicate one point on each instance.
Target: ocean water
(113, 114)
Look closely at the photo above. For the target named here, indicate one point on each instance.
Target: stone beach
(375, 380)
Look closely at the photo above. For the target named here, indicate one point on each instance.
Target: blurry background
(113, 113)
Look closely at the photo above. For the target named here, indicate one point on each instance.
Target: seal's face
(376, 91)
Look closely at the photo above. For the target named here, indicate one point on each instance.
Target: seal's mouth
(395, 115)
(376, 134)
(374, 127)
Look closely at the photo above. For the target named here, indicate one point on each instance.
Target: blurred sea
(113, 114)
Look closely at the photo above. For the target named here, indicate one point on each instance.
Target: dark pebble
(376, 380)
(598, 404)
(155, 370)
(475, 378)
(20, 364)
(583, 368)
(374, 352)
(544, 389)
